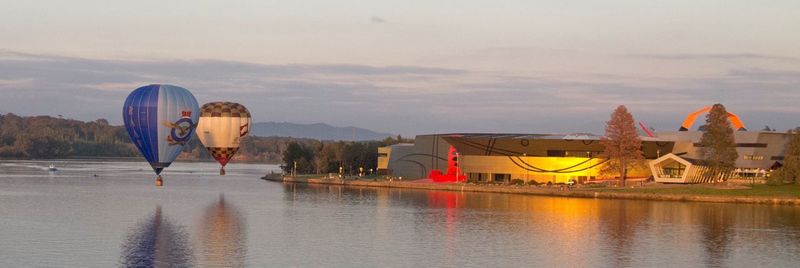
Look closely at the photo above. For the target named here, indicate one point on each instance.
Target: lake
(108, 214)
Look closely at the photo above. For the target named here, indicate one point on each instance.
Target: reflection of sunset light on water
(222, 235)
(520, 214)
(451, 202)
(459, 229)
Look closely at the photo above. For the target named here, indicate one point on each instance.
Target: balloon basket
(221, 171)
(159, 181)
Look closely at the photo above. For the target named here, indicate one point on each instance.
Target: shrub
(517, 182)
(595, 185)
(777, 177)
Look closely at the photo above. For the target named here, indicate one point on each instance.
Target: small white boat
(52, 168)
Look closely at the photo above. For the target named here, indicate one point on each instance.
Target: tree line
(46, 137)
(320, 157)
(49, 137)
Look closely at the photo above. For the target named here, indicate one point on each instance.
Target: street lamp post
(526, 169)
(458, 165)
(461, 163)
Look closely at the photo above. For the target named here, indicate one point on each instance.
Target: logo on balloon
(181, 130)
(243, 130)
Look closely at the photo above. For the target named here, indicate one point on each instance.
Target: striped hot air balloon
(161, 120)
(222, 126)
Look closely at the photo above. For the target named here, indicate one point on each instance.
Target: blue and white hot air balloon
(161, 120)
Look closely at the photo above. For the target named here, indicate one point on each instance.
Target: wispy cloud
(788, 76)
(376, 19)
(404, 99)
(714, 56)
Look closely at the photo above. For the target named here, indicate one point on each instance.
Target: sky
(411, 67)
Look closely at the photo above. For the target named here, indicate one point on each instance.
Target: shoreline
(553, 192)
(125, 159)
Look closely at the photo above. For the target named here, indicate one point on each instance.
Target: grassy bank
(759, 194)
(759, 190)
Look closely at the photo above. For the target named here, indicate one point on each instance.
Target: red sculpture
(454, 173)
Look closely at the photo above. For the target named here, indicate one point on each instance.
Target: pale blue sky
(478, 66)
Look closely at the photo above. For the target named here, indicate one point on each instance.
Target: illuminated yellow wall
(383, 157)
(504, 165)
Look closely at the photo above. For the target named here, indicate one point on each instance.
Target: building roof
(401, 145)
(698, 162)
(572, 136)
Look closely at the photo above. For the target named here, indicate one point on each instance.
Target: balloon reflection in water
(157, 242)
(222, 235)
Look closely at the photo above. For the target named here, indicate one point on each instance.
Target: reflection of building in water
(157, 242)
(222, 236)
(449, 200)
(451, 203)
(622, 220)
(716, 233)
(570, 232)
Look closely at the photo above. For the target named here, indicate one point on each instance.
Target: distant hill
(317, 131)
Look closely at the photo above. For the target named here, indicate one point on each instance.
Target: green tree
(790, 172)
(49, 137)
(622, 147)
(296, 153)
(718, 144)
(390, 141)
(43, 146)
(325, 159)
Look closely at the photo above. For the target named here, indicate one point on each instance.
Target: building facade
(505, 157)
(562, 158)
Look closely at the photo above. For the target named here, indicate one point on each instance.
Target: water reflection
(157, 242)
(222, 235)
(569, 231)
(717, 235)
(447, 200)
(450, 202)
(619, 225)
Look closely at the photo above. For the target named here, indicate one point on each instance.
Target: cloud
(760, 74)
(94, 88)
(398, 99)
(713, 56)
(376, 19)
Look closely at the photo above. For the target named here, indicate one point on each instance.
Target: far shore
(716, 193)
(131, 159)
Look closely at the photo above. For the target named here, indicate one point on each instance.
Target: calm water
(73, 219)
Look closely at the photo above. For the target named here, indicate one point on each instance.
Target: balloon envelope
(160, 120)
(221, 127)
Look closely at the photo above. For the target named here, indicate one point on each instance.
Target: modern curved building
(560, 158)
(505, 157)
